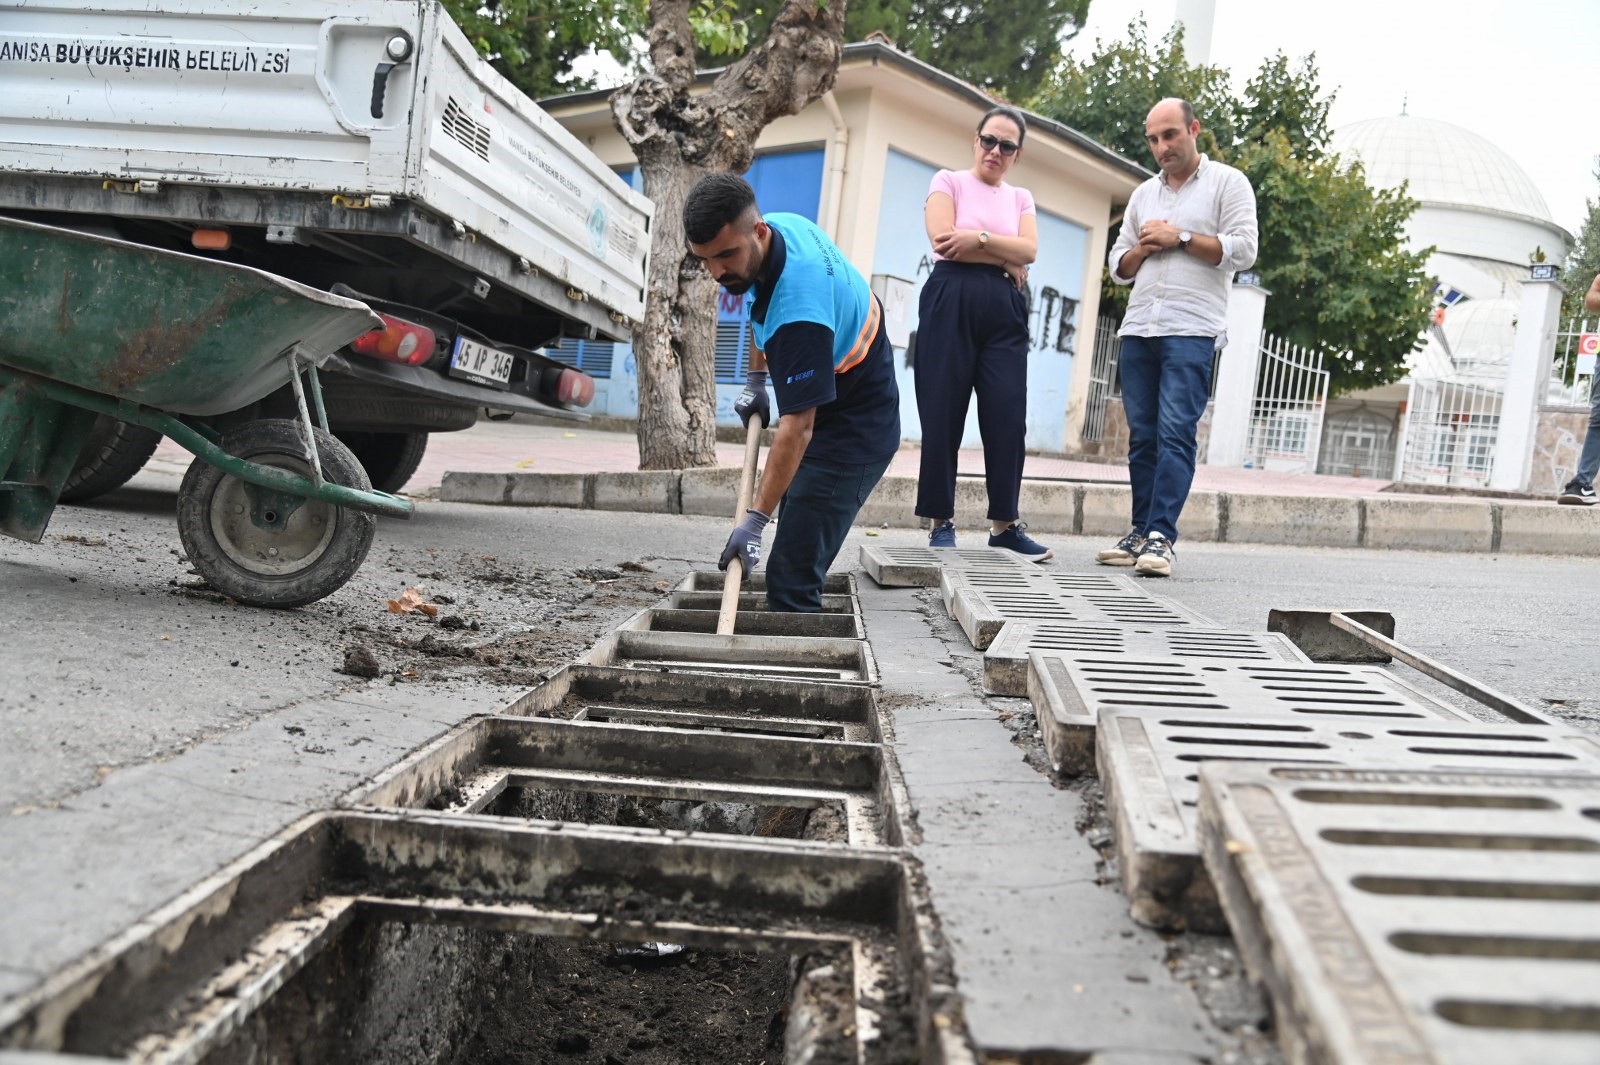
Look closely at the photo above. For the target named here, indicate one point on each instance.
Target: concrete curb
(1475, 525)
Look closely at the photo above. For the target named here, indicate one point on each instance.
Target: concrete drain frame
(822, 625)
(719, 702)
(1395, 915)
(786, 657)
(1149, 764)
(472, 768)
(176, 986)
(920, 567)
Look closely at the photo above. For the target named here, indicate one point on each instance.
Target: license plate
(480, 362)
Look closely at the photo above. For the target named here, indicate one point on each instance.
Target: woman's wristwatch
(983, 238)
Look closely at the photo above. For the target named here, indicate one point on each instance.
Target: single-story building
(858, 162)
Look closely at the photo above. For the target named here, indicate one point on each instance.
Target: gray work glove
(753, 400)
(745, 542)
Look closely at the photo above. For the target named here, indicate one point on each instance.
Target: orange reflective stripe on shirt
(869, 333)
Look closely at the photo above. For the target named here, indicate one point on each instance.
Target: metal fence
(1102, 377)
(1451, 430)
(1572, 371)
(1286, 416)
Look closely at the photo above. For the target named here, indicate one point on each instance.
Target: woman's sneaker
(1155, 557)
(943, 536)
(1014, 537)
(1123, 552)
(1575, 494)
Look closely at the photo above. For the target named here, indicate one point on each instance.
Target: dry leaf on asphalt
(411, 602)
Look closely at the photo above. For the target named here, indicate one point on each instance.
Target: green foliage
(534, 42)
(1108, 96)
(1332, 250)
(1583, 262)
(1006, 47)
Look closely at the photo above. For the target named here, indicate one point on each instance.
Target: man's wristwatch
(983, 238)
(1183, 240)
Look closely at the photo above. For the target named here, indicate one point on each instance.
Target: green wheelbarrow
(278, 513)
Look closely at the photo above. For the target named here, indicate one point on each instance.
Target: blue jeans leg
(818, 509)
(1589, 458)
(1166, 382)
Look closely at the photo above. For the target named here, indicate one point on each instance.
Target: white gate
(1286, 417)
(1451, 430)
(1102, 378)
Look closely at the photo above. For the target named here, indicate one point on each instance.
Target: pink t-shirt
(995, 209)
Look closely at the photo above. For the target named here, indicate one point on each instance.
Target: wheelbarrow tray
(181, 333)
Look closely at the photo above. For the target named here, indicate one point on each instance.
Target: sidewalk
(529, 446)
(528, 462)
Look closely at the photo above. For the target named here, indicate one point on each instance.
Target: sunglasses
(989, 142)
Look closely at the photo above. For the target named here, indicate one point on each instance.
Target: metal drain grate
(1005, 663)
(982, 611)
(470, 768)
(1149, 761)
(1070, 692)
(790, 657)
(919, 567)
(1414, 916)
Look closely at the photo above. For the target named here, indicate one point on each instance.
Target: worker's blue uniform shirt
(817, 322)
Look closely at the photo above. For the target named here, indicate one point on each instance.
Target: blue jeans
(1589, 458)
(1166, 382)
(817, 511)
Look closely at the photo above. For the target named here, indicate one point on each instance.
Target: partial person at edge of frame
(1579, 491)
(972, 334)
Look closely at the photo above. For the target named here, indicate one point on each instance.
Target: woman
(972, 333)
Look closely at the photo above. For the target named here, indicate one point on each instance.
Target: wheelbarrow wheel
(273, 556)
(112, 453)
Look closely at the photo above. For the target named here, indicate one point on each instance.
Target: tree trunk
(678, 137)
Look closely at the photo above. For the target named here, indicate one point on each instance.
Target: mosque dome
(1447, 166)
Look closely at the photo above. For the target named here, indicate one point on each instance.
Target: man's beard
(738, 286)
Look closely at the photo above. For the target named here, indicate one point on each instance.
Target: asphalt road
(111, 659)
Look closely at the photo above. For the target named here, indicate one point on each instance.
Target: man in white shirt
(1184, 234)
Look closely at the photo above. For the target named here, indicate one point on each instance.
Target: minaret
(1197, 17)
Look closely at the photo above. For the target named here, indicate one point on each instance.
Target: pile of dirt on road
(477, 615)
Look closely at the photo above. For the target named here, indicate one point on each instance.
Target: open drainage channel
(404, 937)
(637, 862)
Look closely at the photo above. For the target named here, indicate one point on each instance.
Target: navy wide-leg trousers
(972, 339)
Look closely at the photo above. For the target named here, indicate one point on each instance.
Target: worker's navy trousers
(972, 338)
(814, 518)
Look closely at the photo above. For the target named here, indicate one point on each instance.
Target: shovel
(747, 490)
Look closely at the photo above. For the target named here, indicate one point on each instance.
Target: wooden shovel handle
(747, 491)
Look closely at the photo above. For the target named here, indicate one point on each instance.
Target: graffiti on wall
(1052, 317)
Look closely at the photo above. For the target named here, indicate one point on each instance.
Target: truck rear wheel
(112, 453)
(390, 459)
(264, 548)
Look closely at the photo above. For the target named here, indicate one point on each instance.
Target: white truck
(360, 146)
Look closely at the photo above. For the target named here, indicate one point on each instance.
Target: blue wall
(784, 181)
(1055, 285)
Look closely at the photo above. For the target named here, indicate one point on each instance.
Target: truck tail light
(398, 341)
(568, 387)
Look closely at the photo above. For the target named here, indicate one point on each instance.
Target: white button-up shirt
(1176, 293)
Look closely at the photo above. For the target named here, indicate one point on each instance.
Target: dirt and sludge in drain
(825, 822)
(399, 994)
